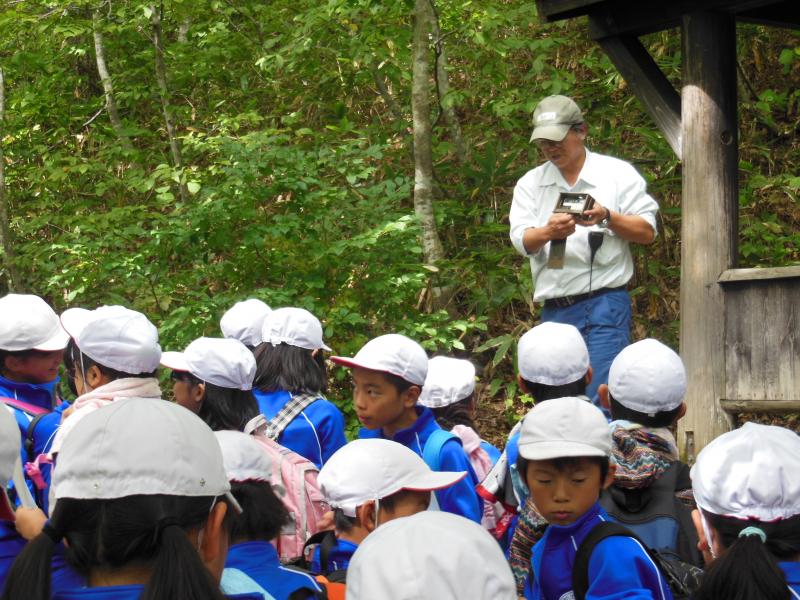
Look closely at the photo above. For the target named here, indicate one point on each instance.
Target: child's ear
(612, 470)
(366, 514)
(702, 542)
(681, 412)
(522, 385)
(95, 377)
(198, 392)
(411, 395)
(602, 392)
(213, 545)
(589, 375)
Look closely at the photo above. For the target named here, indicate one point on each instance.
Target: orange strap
(336, 591)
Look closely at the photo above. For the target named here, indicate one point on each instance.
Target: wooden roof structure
(740, 328)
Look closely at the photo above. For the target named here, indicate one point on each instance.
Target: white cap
(243, 321)
(223, 362)
(9, 455)
(115, 337)
(431, 554)
(552, 354)
(564, 427)
(140, 446)
(28, 323)
(244, 458)
(371, 469)
(392, 353)
(750, 473)
(448, 381)
(293, 326)
(648, 377)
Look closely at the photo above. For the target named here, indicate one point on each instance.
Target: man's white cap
(392, 353)
(431, 554)
(28, 323)
(293, 326)
(448, 381)
(552, 354)
(244, 458)
(140, 446)
(564, 427)
(647, 377)
(115, 337)
(243, 321)
(750, 473)
(9, 455)
(224, 362)
(371, 469)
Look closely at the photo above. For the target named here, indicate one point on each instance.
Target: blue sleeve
(330, 428)
(316, 566)
(461, 498)
(491, 451)
(63, 576)
(620, 568)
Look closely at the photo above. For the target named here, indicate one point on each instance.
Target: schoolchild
(251, 551)
(388, 375)
(431, 554)
(370, 482)
(141, 501)
(290, 382)
(213, 378)
(565, 453)
(747, 489)
(244, 320)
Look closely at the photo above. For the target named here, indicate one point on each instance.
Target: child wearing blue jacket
(290, 383)
(564, 454)
(388, 375)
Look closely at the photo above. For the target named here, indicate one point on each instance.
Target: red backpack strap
(27, 407)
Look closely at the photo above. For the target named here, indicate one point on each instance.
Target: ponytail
(749, 568)
(457, 413)
(29, 576)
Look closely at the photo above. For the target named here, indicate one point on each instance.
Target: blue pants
(605, 324)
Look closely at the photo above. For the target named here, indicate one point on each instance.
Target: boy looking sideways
(388, 375)
(565, 451)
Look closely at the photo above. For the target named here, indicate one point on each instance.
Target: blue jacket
(259, 560)
(792, 572)
(461, 498)
(619, 566)
(338, 559)
(125, 592)
(492, 451)
(316, 433)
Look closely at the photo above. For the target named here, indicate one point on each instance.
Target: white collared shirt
(613, 183)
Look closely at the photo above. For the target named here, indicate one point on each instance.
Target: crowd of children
(242, 484)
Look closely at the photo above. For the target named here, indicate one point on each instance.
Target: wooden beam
(782, 14)
(710, 216)
(741, 275)
(649, 83)
(759, 406)
(557, 10)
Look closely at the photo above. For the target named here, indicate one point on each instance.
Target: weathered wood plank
(759, 406)
(710, 215)
(648, 82)
(737, 275)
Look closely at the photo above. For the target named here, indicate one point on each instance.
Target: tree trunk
(443, 89)
(14, 283)
(108, 86)
(183, 30)
(161, 79)
(386, 95)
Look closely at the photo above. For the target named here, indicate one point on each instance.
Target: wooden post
(710, 216)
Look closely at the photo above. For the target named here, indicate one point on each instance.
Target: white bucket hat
(243, 321)
(223, 362)
(293, 326)
(448, 381)
(140, 446)
(244, 458)
(750, 473)
(115, 337)
(431, 554)
(552, 354)
(392, 353)
(28, 323)
(9, 456)
(648, 377)
(564, 427)
(371, 469)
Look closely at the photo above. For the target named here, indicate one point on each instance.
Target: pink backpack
(294, 480)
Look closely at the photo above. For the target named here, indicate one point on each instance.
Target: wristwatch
(606, 220)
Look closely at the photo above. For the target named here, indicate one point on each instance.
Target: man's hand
(593, 216)
(560, 226)
(29, 522)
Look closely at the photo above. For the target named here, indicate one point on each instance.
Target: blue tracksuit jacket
(338, 559)
(619, 566)
(461, 498)
(316, 433)
(259, 561)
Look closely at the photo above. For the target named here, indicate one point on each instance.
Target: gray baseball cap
(553, 117)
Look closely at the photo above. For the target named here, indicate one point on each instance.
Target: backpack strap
(27, 407)
(296, 404)
(326, 541)
(432, 452)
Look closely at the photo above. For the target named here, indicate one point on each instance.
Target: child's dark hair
(342, 522)
(391, 501)
(263, 513)
(222, 408)
(290, 368)
(149, 529)
(659, 419)
(565, 462)
(81, 361)
(397, 382)
(457, 413)
(541, 392)
(749, 567)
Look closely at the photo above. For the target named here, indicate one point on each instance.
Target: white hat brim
(430, 482)
(175, 361)
(74, 320)
(559, 449)
(58, 341)
(352, 364)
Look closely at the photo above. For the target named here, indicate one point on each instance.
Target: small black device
(573, 203)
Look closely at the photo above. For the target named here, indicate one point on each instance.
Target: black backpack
(683, 579)
(656, 516)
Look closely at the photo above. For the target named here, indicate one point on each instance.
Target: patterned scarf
(642, 454)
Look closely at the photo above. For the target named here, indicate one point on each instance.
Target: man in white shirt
(582, 290)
